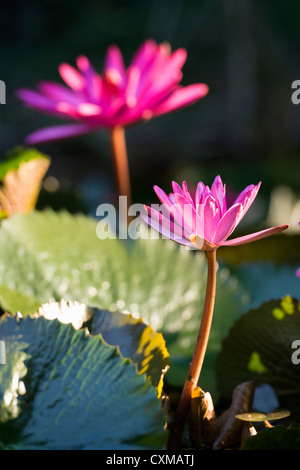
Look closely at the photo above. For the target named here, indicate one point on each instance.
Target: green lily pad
(65, 389)
(136, 340)
(47, 256)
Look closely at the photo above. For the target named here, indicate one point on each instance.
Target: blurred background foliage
(247, 129)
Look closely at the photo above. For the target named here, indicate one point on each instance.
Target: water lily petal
(89, 109)
(169, 205)
(162, 225)
(114, 69)
(144, 55)
(247, 197)
(72, 77)
(204, 224)
(57, 132)
(181, 97)
(211, 215)
(191, 220)
(36, 100)
(202, 192)
(187, 194)
(227, 223)
(255, 236)
(93, 81)
(177, 188)
(133, 80)
(57, 92)
(219, 193)
(164, 78)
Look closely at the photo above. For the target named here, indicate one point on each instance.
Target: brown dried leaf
(202, 420)
(230, 429)
(20, 188)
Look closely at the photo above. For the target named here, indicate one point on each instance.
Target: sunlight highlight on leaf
(287, 305)
(66, 312)
(136, 341)
(255, 363)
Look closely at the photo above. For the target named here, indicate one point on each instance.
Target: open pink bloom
(122, 96)
(204, 222)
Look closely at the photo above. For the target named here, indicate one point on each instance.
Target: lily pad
(65, 389)
(260, 347)
(136, 340)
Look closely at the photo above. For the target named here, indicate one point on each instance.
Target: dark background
(247, 129)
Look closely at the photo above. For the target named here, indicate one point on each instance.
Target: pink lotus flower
(204, 222)
(149, 87)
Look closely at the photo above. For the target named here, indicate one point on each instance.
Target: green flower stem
(119, 151)
(198, 357)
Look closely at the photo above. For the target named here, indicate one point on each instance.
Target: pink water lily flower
(204, 222)
(120, 96)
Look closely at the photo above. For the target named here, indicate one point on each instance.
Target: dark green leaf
(276, 438)
(259, 347)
